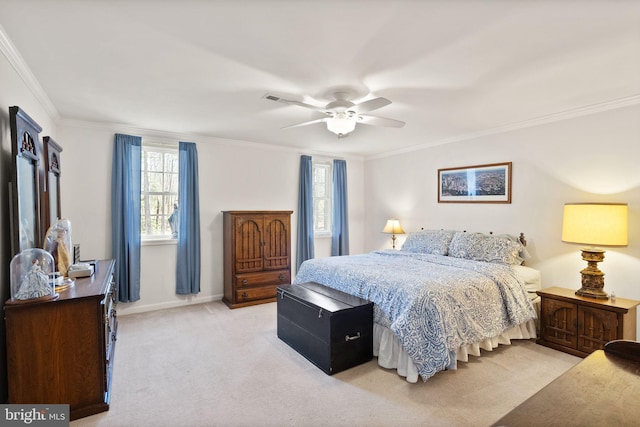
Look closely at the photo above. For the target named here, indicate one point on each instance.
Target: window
(322, 175)
(159, 190)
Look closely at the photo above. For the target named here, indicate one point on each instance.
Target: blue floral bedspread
(432, 303)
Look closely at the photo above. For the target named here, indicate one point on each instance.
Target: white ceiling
(451, 68)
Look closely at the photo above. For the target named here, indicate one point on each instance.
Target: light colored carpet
(207, 365)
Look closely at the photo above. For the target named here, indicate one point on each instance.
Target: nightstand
(579, 326)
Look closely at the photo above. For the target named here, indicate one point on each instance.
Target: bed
(444, 296)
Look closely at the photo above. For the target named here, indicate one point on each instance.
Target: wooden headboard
(521, 237)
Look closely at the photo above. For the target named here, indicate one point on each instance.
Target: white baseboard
(138, 307)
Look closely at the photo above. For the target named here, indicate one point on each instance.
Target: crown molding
(18, 63)
(536, 121)
(171, 137)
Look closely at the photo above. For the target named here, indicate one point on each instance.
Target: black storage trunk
(332, 329)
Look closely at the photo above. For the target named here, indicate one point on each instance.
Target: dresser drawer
(252, 294)
(277, 277)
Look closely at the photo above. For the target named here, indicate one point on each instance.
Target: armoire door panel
(249, 247)
(276, 248)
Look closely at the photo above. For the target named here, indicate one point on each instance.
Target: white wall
(584, 159)
(234, 175)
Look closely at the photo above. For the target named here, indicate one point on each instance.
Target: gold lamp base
(592, 277)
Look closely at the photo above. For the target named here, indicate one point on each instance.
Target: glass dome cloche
(32, 276)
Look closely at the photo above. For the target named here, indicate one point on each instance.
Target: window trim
(158, 241)
(329, 163)
(163, 146)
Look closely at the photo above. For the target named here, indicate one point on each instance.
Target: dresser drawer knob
(281, 277)
(245, 295)
(245, 282)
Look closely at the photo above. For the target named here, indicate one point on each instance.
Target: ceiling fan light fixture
(341, 124)
(342, 115)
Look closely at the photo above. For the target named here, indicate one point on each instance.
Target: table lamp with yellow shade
(393, 227)
(594, 224)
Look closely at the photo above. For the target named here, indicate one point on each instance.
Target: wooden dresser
(578, 325)
(257, 255)
(61, 352)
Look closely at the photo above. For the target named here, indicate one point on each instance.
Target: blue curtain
(188, 268)
(304, 250)
(340, 217)
(125, 215)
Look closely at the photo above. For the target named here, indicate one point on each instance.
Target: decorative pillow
(484, 247)
(434, 242)
(523, 253)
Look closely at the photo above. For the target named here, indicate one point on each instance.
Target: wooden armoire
(257, 255)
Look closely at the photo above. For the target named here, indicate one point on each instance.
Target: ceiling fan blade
(370, 105)
(276, 98)
(380, 121)
(307, 123)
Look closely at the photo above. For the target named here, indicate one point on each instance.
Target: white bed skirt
(391, 355)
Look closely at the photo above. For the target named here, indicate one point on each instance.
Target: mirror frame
(52, 209)
(26, 151)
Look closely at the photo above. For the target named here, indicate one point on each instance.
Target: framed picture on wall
(475, 184)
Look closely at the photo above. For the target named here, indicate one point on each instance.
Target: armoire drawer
(277, 277)
(252, 294)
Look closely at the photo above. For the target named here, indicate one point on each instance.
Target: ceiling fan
(342, 115)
